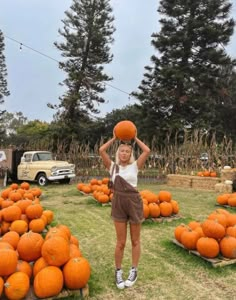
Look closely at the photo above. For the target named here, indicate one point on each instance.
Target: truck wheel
(42, 180)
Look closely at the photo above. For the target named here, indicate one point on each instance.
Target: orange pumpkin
(125, 130)
(29, 246)
(25, 185)
(179, 230)
(164, 196)
(17, 286)
(11, 237)
(1, 285)
(48, 282)
(8, 261)
(208, 247)
(39, 264)
(56, 251)
(76, 273)
(25, 267)
(228, 247)
(19, 226)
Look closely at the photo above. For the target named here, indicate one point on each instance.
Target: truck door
(23, 168)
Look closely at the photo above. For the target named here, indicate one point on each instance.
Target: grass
(166, 271)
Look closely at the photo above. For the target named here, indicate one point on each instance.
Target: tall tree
(3, 74)
(183, 86)
(88, 29)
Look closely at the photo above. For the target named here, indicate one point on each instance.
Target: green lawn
(166, 271)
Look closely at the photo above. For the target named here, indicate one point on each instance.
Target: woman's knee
(120, 245)
(135, 243)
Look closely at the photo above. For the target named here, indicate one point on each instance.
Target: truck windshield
(44, 156)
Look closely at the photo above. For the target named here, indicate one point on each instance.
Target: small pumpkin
(154, 210)
(17, 286)
(189, 239)
(25, 267)
(8, 261)
(11, 237)
(228, 247)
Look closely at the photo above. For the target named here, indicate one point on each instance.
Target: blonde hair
(131, 160)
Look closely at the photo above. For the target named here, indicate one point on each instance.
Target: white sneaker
(133, 276)
(119, 280)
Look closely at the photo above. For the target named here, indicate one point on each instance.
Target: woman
(127, 206)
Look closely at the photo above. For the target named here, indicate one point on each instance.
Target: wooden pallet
(225, 206)
(165, 219)
(219, 261)
(81, 293)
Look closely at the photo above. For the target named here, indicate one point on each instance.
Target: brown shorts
(127, 205)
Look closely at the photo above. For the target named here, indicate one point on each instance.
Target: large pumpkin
(48, 282)
(76, 273)
(125, 130)
(56, 251)
(29, 246)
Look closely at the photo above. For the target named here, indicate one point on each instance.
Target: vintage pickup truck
(35, 166)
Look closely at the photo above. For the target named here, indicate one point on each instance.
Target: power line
(49, 57)
(39, 52)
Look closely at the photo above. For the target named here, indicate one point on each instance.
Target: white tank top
(129, 173)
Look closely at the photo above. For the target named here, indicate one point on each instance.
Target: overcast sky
(33, 79)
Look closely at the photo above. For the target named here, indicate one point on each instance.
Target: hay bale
(228, 174)
(179, 180)
(205, 183)
(223, 188)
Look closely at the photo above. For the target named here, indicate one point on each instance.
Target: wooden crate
(219, 261)
(225, 206)
(165, 219)
(81, 293)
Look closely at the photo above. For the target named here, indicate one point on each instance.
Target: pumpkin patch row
(226, 199)
(213, 237)
(207, 173)
(33, 258)
(98, 188)
(158, 205)
(21, 210)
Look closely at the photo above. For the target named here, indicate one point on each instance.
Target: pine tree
(88, 29)
(3, 74)
(183, 86)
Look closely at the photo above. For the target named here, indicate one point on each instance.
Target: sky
(33, 73)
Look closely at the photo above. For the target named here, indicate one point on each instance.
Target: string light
(49, 57)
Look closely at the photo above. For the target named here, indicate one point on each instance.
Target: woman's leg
(121, 234)
(135, 230)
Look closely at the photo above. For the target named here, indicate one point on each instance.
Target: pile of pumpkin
(34, 255)
(158, 205)
(207, 173)
(215, 236)
(226, 199)
(98, 188)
